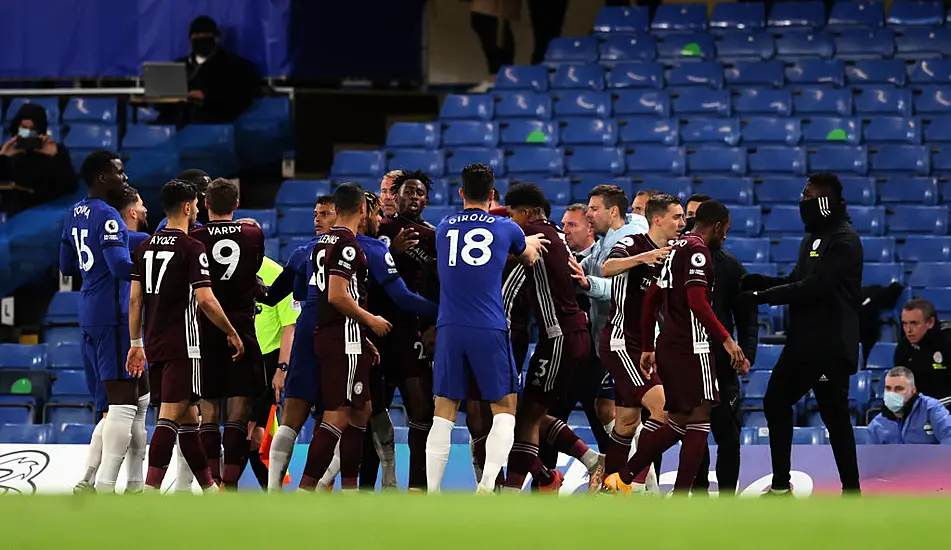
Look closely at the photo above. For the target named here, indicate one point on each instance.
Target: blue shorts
(303, 376)
(465, 355)
(105, 349)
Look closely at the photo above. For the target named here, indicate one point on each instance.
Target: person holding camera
(34, 169)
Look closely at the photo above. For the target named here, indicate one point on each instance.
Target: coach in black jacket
(822, 340)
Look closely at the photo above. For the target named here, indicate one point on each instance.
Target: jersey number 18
(478, 240)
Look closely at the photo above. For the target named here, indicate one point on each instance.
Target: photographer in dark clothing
(822, 341)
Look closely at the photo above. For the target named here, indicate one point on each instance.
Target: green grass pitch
(360, 521)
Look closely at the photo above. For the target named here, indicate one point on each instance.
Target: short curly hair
(407, 175)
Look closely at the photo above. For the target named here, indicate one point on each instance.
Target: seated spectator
(34, 169)
(926, 349)
(909, 417)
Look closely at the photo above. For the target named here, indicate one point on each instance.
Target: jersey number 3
(475, 250)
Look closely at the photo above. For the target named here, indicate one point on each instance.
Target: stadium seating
(26, 434)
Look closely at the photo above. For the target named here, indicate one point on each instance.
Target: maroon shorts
(403, 355)
(223, 377)
(553, 365)
(691, 379)
(175, 381)
(630, 384)
(345, 378)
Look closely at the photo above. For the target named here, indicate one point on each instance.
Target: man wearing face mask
(822, 339)
(221, 84)
(909, 417)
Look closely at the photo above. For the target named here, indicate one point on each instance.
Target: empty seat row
(915, 248)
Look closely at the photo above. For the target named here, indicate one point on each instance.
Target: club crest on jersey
(349, 253)
(698, 260)
(938, 358)
(358, 388)
(815, 246)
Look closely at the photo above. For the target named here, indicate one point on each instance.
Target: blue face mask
(894, 401)
(25, 133)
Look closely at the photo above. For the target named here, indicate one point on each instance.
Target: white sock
(94, 454)
(498, 445)
(437, 452)
(609, 427)
(135, 456)
(327, 480)
(185, 477)
(590, 459)
(116, 436)
(282, 447)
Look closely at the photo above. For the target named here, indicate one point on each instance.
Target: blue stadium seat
(639, 130)
(724, 131)
(708, 74)
(102, 110)
(14, 414)
(767, 356)
(267, 219)
(587, 131)
(770, 131)
(26, 434)
(301, 192)
(686, 46)
(754, 73)
(679, 17)
(622, 19)
(883, 100)
(879, 249)
(920, 13)
(932, 100)
(582, 184)
(858, 190)
(582, 103)
(783, 219)
(74, 434)
(749, 250)
(785, 249)
(152, 166)
(210, 147)
(856, 14)
(808, 100)
(883, 274)
(807, 14)
(23, 356)
(144, 137)
(470, 133)
(57, 414)
(272, 249)
(290, 244)
(868, 220)
(572, 50)
(92, 136)
(753, 389)
(749, 435)
(779, 190)
(940, 297)
(66, 356)
(63, 309)
(653, 159)
(578, 77)
(798, 44)
(893, 129)
(558, 193)
(439, 192)
(527, 132)
(762, 101)
(594, 159)
(862, 437)
(701, 101)
(358, 163)
(678, 187)
(413, 134)
(717, 160)
(535, 160)
(144, 114)
(808, 435)
(457, 159)
(627, 47)
(636, 75)
(768, 159)
(745, 16)
(926, 248)
(879, 71)
(522, 77)
(930, 71)
(830, 72)
(860, 391)
(941, 164)
(746, 221)
(436, 213)
(51, 104)
(756, 420)
(729, 190)
(296, 221)
(641, 102)
(431, 162)
(911, 190)
(55, 336)
(881, 356)
(825, 129)
(467, 107)
(929, 274)
(854, 44)
(745, 46)
(923, 43)
(839, 158)
(901, 158)
(70, 383)
(937, 128)
(906, 218)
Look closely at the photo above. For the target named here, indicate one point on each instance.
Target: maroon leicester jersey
(236, 251)
(515, 296)
(412, 264)
(550, 286)
(627, 293)
(338, 253)
(689, 264)
(170, 265)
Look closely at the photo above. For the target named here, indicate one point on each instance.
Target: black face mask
(689, 225)
(814, 212)
(204, 47)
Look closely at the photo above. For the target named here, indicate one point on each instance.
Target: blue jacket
(925, 421)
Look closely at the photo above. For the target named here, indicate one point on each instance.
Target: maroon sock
(619, 447)
(211, 440)
(655, 439)
(691, 456)
(160, 452)
(319, 455)
(564, 440)
(418, 434)
(522, 458)
(236, 449)
(351, 456)
(194, 453)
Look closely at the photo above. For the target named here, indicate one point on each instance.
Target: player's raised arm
(339, 297)
(616, 263)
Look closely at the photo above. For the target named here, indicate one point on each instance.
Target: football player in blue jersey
(134, 214)
(472, 340)
(95, 246)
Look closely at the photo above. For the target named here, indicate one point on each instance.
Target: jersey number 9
(227, 253)
(477, 240)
